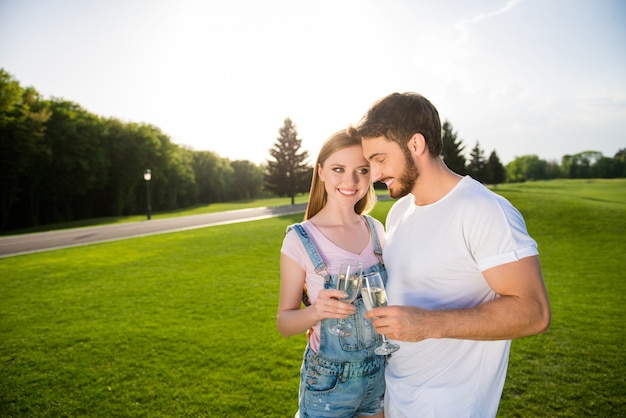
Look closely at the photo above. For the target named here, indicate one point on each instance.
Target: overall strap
(316, 259)
(378, 249)
(314, 255)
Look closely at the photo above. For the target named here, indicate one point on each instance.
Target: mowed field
(183, 324)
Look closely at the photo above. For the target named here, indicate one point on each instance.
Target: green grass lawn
(183, 324)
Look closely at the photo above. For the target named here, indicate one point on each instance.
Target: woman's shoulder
(304, 230)
(294, 233)
(306, 225)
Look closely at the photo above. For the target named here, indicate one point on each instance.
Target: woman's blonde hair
(317, 195)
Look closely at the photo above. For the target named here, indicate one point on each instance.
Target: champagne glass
(349, 281)
(374, 296)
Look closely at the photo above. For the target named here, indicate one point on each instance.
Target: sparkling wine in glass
(349, 281)
(374, 296)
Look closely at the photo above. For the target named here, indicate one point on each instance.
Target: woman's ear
(320, 170)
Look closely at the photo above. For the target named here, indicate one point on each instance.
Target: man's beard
(407, 179)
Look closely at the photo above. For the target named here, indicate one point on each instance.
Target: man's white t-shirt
(434, 255)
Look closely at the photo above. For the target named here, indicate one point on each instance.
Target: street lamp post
(147, 176)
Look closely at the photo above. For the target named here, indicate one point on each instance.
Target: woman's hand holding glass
(329, 304)
(349, 281)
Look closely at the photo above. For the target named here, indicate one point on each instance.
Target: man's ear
(417, 144)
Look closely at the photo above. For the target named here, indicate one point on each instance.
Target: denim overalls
(345, 378)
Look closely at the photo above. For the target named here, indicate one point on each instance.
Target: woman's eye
(363, 171)
(338, 169)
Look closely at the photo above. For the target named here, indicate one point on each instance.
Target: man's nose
(374, 173)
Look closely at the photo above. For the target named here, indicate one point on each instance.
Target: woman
(340, 376)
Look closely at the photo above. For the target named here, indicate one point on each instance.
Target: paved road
(44, 241)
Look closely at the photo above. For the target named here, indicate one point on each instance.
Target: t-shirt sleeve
(504, 238)
(293, 248)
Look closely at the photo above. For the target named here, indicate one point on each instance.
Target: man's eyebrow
(374, 155)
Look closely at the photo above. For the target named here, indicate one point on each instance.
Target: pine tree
(476, 165)
(287, 173)
(453, 150)
(495, 173)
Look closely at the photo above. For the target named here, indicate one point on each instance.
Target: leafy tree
(620, 157)
(579, 165)
(132, 148)
(536, 168)
(553, 170)
(527, 167)
(495, 173)
(287, 173)
(248, 180)
(453, 150)
(214, 177)
(23, 116)
(515, 171)
(476, 165)
(607, 168)
(76, 165)
(178, 179)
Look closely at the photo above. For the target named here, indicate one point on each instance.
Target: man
(464, 275)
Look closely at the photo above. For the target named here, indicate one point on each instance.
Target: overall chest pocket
(363, 332)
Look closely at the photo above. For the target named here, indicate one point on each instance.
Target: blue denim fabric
(333, 389)
(345, 378)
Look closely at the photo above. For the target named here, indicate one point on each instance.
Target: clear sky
(544, 77)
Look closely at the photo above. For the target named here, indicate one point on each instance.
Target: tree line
(489, 170)
(59, 162)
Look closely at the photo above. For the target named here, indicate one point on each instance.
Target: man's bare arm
(522, 309)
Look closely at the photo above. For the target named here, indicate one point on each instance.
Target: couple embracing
(461, 272)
